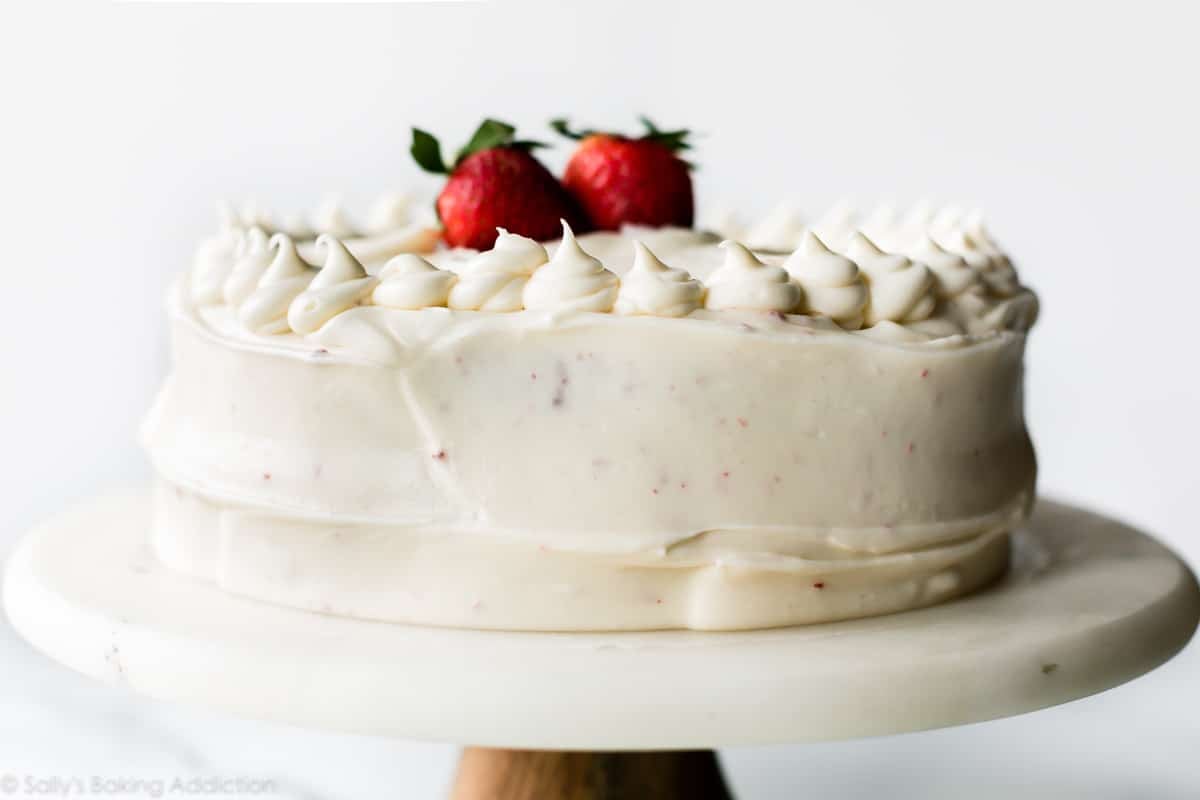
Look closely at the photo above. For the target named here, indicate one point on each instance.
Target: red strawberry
(495, 183)
(620, 180)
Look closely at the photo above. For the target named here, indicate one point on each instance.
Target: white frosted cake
(642, 429)
(487, 421)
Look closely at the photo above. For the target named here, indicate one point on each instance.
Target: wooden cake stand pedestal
(543, 774)
(1088, 604)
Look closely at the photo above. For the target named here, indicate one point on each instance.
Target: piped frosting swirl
(652, 288)
(940, 276)
(253, 258)
(951, 271)
(572, 280)
(495, 279)
(833, 286)
(341, 284)
(286, 277)
(901, 289)
(410, 282)
(212, 264)
(744, 282)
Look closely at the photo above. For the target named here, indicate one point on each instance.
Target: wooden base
(485, 774)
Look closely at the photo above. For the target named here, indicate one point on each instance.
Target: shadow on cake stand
(1088, 604)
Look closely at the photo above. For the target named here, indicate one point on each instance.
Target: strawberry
(495, 182)
(620, 180)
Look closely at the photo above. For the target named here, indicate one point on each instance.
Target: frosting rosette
(995, 267)
(495, 279)
(744, 282)
(286, 277)
(253, 258)
(572, 280)
(950, 270)
(833, 286)
(654, 289)
(410, 282)
(212, 264)
(901, 289)
(341, 284)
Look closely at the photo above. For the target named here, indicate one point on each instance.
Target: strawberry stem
(563, 127)
(490, 134)
(674, 141)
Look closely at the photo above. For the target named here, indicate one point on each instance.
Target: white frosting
(615, 248)
(653, 288)
(250, 215)
(212, 264)
(901, 290)
(341, 284)
(836, 225)
(410, 282)
(495, 279)
(571, 281)
(253, 258)
(701, 461)
(287, 276)
(745, 282)
(993, 265)
(951, 271)
(920, 216)
(297, 227)
(779, 230)
(882, 218)
(945, 279)
(833, 286)
(389, 212)
(330, 218)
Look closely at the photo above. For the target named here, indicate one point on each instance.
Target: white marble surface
(1133, 743)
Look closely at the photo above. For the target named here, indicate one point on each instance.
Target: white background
(1074, 125)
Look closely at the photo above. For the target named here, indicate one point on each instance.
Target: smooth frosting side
(549, 392)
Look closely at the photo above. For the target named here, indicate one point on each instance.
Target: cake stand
(1089, 603)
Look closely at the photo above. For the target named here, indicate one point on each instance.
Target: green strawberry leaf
(491, 133)
(672, 140)
(675, 141)
(427, 152)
